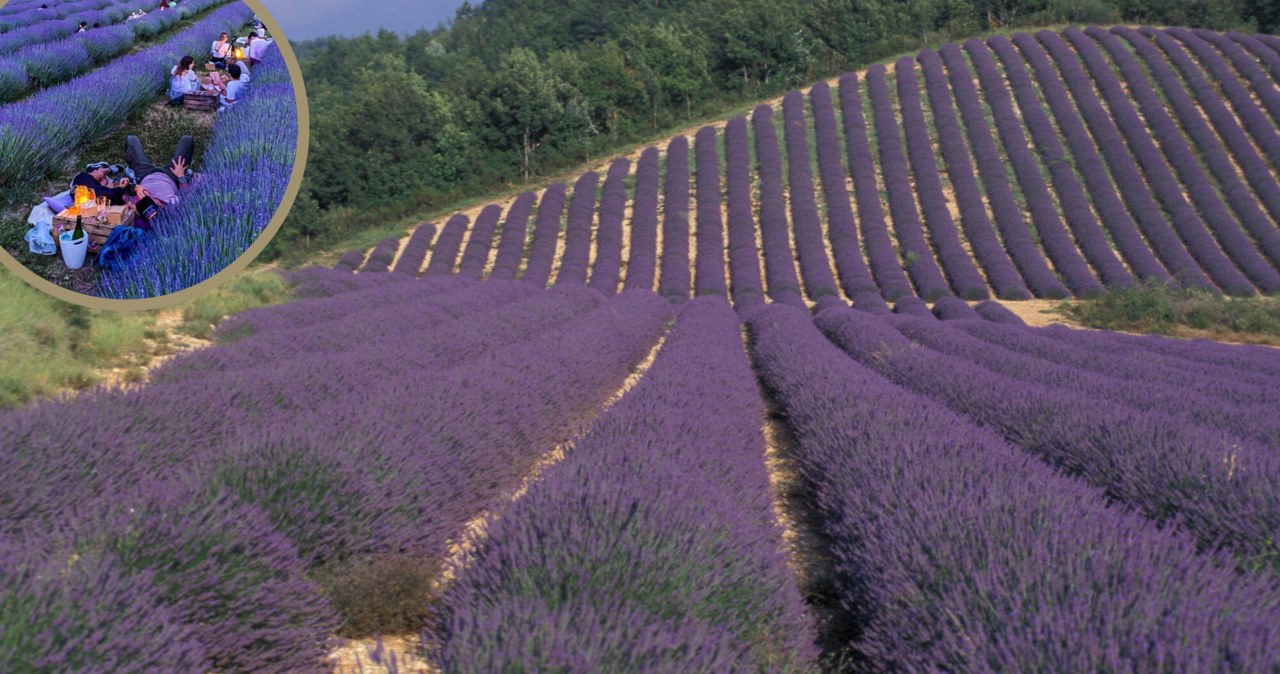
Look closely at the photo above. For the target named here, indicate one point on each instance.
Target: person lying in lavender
(94, 177)
(161, 184)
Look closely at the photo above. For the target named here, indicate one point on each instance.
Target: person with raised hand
(162, 184)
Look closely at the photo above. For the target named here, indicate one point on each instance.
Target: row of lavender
(57, 53)
(19, 14)
(1168, 492)
(54, 23)
(1169, 486)
(668, 560)
(200, 534)
(243, 175)
(38, 133)
(952, 548)
(1059, 190)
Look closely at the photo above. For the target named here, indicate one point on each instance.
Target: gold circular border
(246, 258)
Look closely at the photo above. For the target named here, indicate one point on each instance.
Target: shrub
(385, 594)
(1162, 309)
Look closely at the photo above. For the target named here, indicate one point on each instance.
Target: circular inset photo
(148, 148)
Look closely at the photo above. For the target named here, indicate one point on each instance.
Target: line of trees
(514, 89)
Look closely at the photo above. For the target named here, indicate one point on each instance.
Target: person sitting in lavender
(182, 80)
(82, 27)
(257, 49)
(161, 184)
(220, 50)
(235, 88)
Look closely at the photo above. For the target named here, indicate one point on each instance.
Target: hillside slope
(1044, 165)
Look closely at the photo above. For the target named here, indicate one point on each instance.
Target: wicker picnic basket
(97, 227)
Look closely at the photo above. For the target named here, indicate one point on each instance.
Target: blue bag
(120, 247)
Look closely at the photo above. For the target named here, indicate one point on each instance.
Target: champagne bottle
(79, 232)
(148, 209)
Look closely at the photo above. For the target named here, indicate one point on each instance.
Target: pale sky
(306, 19)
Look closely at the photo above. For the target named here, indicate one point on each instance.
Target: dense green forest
(514, 89)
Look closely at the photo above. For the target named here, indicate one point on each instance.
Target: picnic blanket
(120, 247)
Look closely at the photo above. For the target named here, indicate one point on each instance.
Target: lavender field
(724, 412)
(61, 94)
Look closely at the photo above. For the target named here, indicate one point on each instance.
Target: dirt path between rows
(366, 656)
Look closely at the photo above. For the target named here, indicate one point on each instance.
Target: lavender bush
(107, 42)
(674, 279)
(13, 79)
(744, 257)
(709, 259)
(444, 256)
(779, 264)
(954, 309)
(806, 228)
(578, 231)
(480, 244)
(382, 255)
(222, 570)
(85, 616)
(515, 230)
(613, 203)
(546, 230)
(995, 312)
(643, 259)
(351, 260)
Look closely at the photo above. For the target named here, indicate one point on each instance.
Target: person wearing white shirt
(236, 87)
(182, 80)
(257, 48)
(220, 50)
